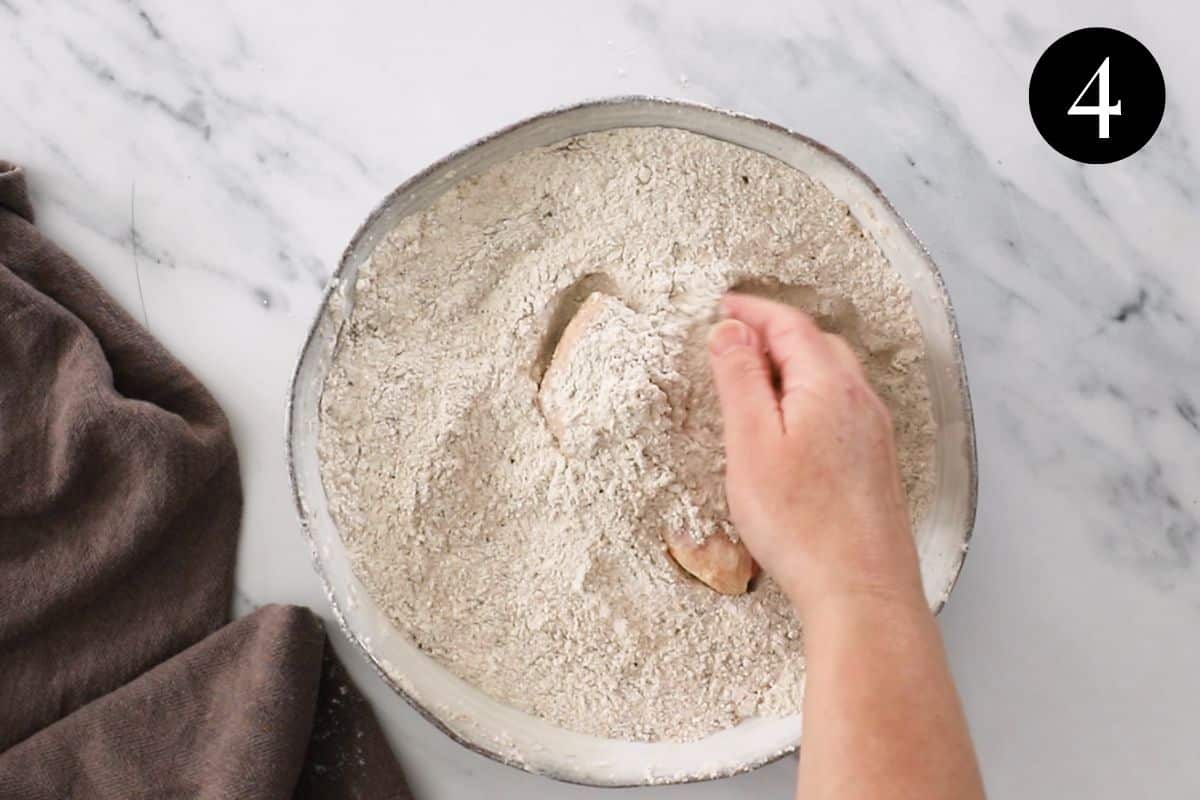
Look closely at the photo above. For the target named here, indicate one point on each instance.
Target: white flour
(531, 564)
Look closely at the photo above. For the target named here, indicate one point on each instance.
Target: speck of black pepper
(745, 179)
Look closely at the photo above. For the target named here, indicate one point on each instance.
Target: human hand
(812, 479)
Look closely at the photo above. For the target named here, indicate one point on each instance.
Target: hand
(811, 474)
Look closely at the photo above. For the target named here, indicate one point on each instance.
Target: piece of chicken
(718, 561)
(580, 325)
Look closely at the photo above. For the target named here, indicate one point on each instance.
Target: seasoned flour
(529, 562)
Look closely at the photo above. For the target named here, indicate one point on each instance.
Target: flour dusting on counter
(527, 556)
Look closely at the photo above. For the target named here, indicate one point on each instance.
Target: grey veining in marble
(212, 160)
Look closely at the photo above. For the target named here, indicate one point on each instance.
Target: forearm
(881, 716)
(814, 488)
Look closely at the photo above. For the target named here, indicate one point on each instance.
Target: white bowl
(465, 713)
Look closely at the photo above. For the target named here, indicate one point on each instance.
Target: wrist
(819, 602)
(870, 567)
(856, 623)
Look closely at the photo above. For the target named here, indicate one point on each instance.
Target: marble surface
(208, 162)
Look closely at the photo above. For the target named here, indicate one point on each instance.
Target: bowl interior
(461, 710)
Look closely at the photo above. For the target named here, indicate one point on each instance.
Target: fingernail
(728, 334)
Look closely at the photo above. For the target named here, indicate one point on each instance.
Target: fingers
(797, 346)
(742, 374)
(792, 338)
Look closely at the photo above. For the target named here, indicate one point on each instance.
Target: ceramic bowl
(468, 715)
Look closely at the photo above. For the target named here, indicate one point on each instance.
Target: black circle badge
(1097, 95)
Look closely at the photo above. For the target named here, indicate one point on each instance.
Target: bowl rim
(414, 180)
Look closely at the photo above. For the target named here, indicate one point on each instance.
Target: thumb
(742, 374)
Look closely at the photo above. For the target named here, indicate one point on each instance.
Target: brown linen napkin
(120, 502)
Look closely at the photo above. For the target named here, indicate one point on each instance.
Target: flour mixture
(517, 538)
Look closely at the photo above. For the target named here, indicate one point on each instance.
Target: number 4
(1102, 110)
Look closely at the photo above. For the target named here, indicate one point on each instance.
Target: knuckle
(794, 333)
(837, 385)
(855, 393)
(791, 328)
(744, 363)
(792, 322)
(837, 343)
(860, 393)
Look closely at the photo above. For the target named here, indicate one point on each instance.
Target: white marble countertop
(224, 153)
